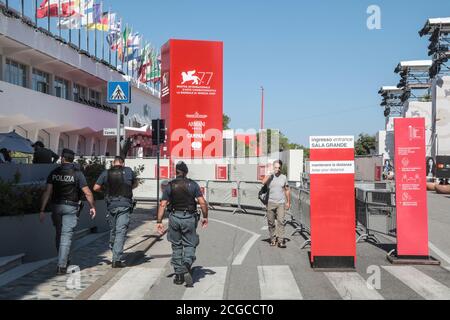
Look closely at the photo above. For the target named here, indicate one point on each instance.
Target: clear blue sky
(319, 63)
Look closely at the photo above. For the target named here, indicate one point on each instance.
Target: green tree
(226, 122)
(285, 144)
(365, 145)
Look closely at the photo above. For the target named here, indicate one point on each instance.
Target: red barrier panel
(410, 171)
(332, 174)
(221, 172)
(163, 172)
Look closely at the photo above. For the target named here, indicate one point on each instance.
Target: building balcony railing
(96, 105)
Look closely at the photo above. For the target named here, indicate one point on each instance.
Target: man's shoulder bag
(263, 194)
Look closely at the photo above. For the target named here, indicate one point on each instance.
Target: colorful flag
(133, 42)
(100, 19)
(115, 29)
(122, 43)
(88, 12)
(56, 8)
(133, 46)
(144, 63)
(74, 20)
(155, 74)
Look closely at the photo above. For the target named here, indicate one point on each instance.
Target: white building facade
(51, 92)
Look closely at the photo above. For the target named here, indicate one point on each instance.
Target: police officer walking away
(63, 187)
(118, 182)
(179, 198)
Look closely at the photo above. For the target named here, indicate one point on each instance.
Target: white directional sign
(112, 132)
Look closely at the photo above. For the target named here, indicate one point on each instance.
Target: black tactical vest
(181, 198)
(65, 185)
(116, 186)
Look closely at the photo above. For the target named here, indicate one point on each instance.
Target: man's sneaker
(188, 276)
(118, 264)
(61, 271)
(179, 279)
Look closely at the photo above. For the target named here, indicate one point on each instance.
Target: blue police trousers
(184, 238)
(119, 221)
(65, 220)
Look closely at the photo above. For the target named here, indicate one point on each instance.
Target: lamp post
(262, 108)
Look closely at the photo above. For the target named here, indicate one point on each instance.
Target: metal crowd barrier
(223, 193)
(300, 214)
(375, 213)
(248, 195)
(243, 195)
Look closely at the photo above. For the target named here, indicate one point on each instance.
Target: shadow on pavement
(92, 259)
(201, 273)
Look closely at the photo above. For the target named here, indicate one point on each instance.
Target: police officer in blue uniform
(63, 187)
(118, 182)
(179, 198)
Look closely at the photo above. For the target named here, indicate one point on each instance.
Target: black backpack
(263, 194)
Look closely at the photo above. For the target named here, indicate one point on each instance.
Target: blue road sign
(119, 92)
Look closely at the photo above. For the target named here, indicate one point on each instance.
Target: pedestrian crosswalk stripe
(240, 257)
(278, 283)
(351, 286)
(425, 286)
(134, 284)
(211, 285)
(439, 252)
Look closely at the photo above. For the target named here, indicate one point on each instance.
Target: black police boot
(118, 265)
(179, 279)
(61, 271)
(188, 276)
(282, 244)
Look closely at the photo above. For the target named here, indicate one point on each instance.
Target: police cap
(181, 166)
(68, 154)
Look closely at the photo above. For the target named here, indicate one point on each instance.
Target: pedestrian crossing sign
(119, 92)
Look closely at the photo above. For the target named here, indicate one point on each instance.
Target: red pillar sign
(192, 97)
(411, 195)
(332, 189)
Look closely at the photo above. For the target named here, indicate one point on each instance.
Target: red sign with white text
(221, 172)
(192, 97)
(332, 192)
(411, 194)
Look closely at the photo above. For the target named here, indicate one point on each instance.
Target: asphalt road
(235, 262)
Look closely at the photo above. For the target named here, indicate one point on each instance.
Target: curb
(136, 255)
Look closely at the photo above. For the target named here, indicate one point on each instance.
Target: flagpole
(110, 28)
(126, 50)
(48, 16)
(81, 22)
(59, 17)
(103, 34)
(119, 39)
(153, 70)
(35, 13)
(95, 29)
(87, 27)
(159, 69)
(70, 20)
(135, 60)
